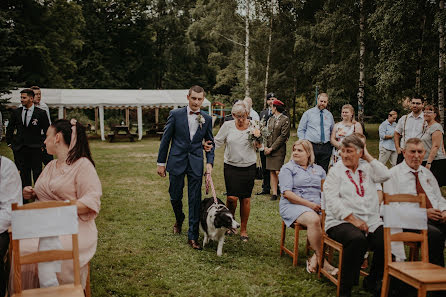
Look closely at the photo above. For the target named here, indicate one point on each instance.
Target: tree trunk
(441, 64)
(268, 57)
(420, 54)
(247, 50)
(361, 63)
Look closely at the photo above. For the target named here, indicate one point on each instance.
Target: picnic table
(117, 133)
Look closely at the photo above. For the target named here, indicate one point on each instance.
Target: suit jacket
(183, 151)
(280, 132)
(264, 115)
(27, 136)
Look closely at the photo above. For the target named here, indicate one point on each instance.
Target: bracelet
(429, 163)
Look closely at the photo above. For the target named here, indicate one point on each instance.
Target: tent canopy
(91, 98)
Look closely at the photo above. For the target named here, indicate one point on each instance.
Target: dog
(215, 220)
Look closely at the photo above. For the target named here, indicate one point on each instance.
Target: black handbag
(259, 169)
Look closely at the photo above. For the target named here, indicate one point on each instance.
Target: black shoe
(263, 192)
(273, 197)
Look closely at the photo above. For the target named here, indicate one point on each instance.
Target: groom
(185, 130)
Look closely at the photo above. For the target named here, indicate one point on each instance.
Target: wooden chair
(422, 275)
(61, 219)
(295, 252)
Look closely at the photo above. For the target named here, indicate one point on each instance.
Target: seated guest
(300, 183)
(409, 177)
(72, 176)
(10, 192)
(352, 210)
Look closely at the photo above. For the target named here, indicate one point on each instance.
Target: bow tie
(194, 112)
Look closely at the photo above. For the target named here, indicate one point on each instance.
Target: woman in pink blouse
(72, 176)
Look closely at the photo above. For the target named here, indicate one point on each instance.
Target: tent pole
(139, 114)
(127, 117)
(101, 121)
(60, 113)
(157, 113)
(96, 118)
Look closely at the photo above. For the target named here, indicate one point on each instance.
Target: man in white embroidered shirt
(10, 192)
(409, 177)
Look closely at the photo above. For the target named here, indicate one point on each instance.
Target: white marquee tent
(118, 99)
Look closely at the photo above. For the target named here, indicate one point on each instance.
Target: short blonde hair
(308, 148)
(352, 110)
(240, 108)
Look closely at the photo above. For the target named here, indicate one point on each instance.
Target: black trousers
(266, 187)
(400, 158)
(322, 154)
(29, 162)
(4, 243)
(355, 245)
(436, 236)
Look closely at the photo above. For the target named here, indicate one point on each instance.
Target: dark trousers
(322, 154)
(400, 158)
(29, 162)
(4, 243)
(266, 186)
(355, 245)
(194, 199)
(436, 236)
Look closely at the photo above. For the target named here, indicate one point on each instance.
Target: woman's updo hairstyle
(80, 148)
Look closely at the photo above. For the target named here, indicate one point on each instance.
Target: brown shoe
(194, 244)
(177, 228)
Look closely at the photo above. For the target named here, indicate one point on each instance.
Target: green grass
(138, 255)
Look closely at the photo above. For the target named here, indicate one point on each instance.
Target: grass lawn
(138, 255)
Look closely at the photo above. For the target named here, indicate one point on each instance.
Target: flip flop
(244, 238)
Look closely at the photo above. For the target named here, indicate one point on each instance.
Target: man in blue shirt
(387, 150)
(315, 126)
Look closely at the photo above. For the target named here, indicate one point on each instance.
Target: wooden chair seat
(418, 272)
(69, 290)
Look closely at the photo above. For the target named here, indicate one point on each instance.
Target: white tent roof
(89, 98)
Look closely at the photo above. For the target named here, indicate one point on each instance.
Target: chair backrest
(323, 215)
(405, 236)
(43, 219)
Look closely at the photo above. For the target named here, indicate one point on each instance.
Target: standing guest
(279, 128)
(432, 138)
(387, 150)
(300, 183)
(264, 116)
(346, 127)
(352, 211)
(185, 131)
(29, 121)
(10, 192)
(239, 163)
(253, 115)
(315, 126)
(409, 126)
(410, 177)
(71, 177)
(37, 102)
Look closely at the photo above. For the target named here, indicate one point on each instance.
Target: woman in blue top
(300, 183)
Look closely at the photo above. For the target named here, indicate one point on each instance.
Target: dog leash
(210, 183)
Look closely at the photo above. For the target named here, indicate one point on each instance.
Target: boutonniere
(201, 120)
(34, 122)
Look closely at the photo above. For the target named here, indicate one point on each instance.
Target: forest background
(372, 54)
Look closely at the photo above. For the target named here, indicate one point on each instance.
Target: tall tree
(361, 63)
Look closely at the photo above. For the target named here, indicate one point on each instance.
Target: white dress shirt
(193, 123)
(402, 181)
(341, 198)
(413, 127)
(10, 191)
(28, 115)
(254, 115)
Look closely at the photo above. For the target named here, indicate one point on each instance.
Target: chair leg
(385, 284)
(87, 286)
(422, 291)
(296, 245)
(282, 239)
(338, 289)
(321, 260)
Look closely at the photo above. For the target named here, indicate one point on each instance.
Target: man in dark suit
(264, 116)
(185, 131)
(29, 124)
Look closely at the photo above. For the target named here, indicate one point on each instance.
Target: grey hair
(248, 101)
(240, 108)
(353, 141)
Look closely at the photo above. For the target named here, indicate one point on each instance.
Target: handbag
(259, 169)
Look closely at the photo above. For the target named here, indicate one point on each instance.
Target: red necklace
(359, 190)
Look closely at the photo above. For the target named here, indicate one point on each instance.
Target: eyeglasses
(239, 116)
(429, 112)
(417, 103)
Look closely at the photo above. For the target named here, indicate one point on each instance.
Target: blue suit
(185, 158)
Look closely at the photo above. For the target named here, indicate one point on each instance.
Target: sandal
(244, 238)
(308, 267)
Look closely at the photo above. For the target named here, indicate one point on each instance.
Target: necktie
(26, 114)
(194, 112)
(420, 190)
(322, 127)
